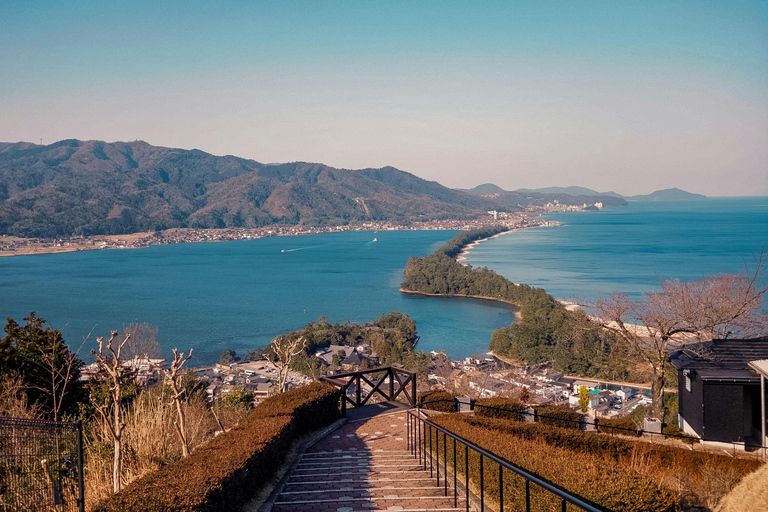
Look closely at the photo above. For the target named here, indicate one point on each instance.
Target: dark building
(722, 396)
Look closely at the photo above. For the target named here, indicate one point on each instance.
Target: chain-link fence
(40, 465)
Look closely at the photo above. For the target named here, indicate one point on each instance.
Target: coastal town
(16, 246)
(477, 376)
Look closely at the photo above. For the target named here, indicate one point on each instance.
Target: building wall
(724, 412)
(691, 404)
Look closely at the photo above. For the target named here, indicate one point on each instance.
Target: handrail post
(437, 456)
(466, 473)
(482, 485)
(501, 488)
(413, 388)
(445, 464)
(455, 470)
(391, 383)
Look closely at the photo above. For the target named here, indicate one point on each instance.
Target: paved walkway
(363, 465)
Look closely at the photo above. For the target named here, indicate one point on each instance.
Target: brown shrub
(227, 471)
(700, 478)
(437, 400)
(622, 426)
(588, 475)
(559, 416)
(498, 408)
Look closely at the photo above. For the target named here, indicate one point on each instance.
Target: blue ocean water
(240, 295)
(628, 249)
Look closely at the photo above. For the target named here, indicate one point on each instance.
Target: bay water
(629, 249)
(241, 294)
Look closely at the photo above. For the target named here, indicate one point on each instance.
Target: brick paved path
(364, 465)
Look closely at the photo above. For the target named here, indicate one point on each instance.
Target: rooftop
(722, 359)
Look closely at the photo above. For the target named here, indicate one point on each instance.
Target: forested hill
(91, 187)
(547, 332)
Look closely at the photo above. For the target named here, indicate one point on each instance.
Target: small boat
(375, 239)
(282, 250)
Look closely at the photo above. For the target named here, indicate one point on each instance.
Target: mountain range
(77, 187)
(670, 194)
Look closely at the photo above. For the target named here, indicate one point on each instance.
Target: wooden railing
(388, 382)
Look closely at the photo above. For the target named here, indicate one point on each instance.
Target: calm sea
(240, 295)
(214, 296)
(628, 249)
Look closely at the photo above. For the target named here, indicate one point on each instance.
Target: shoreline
(514, 307)
(462, 256)
(17, 246)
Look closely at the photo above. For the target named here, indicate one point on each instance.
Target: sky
(624, 96)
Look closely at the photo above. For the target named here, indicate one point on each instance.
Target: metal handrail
(414, 427)
(612, 430)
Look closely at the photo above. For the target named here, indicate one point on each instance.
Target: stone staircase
(364, 465)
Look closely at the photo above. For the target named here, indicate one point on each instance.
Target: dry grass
(13, 398)
(149, 440)
(750, 495)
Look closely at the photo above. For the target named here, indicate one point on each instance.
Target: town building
(720, 392)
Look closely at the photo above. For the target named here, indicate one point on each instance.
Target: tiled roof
(722, 359)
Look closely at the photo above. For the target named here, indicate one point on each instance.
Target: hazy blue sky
(628, 96)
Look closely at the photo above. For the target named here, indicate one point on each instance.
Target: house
(720, 395)
(625, 393)
(576, 386)
(326, 354)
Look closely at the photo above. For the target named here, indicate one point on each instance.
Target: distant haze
(624, 96)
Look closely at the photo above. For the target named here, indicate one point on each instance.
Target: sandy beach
(462, 256)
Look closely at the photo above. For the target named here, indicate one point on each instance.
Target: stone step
(393, 502)
(363, 466)
(340, 493)
(374, 481)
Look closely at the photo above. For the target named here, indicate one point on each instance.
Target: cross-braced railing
(389, 383)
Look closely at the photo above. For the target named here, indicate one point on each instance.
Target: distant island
(76, 188)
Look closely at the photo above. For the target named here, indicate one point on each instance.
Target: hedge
(228, 471)
(619, 426)
(587, 475)
(559, 416)
(442, 400)
(505, 408)
(700, 476)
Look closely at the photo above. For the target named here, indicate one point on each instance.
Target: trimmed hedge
(559, 416)
(591, 476)
(675, 432)
(444, 401)
(613, 447)
(622, 426)
(700, 477)
(228, 471)
(505, 408)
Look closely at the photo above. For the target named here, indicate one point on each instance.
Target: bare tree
(286, 348)
(63, 369)
(142, 341)
(108, 359)
(717, 307)
(173, 377)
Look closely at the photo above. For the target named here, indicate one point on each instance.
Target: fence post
(391, 383)
(80, 476)
(357, 390)
(413, 389)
